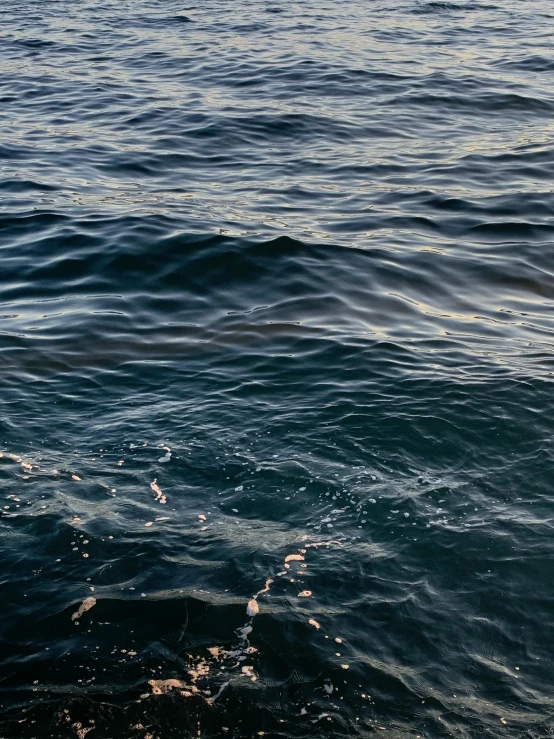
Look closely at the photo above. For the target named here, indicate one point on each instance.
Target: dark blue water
(276, 279)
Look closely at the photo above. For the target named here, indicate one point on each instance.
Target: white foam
(252, 609)
(86, 605)
(167, 455)
(156, 489)
(216, 696)
(265, 589)
(164, 686)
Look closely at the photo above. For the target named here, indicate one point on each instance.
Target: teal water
(276, 336)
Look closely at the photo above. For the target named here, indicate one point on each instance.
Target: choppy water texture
(276, 335)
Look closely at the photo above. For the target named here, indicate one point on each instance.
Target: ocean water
(276, 366)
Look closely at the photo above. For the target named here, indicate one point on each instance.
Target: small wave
(433, 8)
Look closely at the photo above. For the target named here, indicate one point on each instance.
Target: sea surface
(276, 369)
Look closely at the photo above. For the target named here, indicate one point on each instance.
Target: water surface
(276, 279)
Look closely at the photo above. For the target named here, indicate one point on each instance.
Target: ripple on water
(276, 354)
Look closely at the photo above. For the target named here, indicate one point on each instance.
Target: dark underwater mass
(276, 366)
